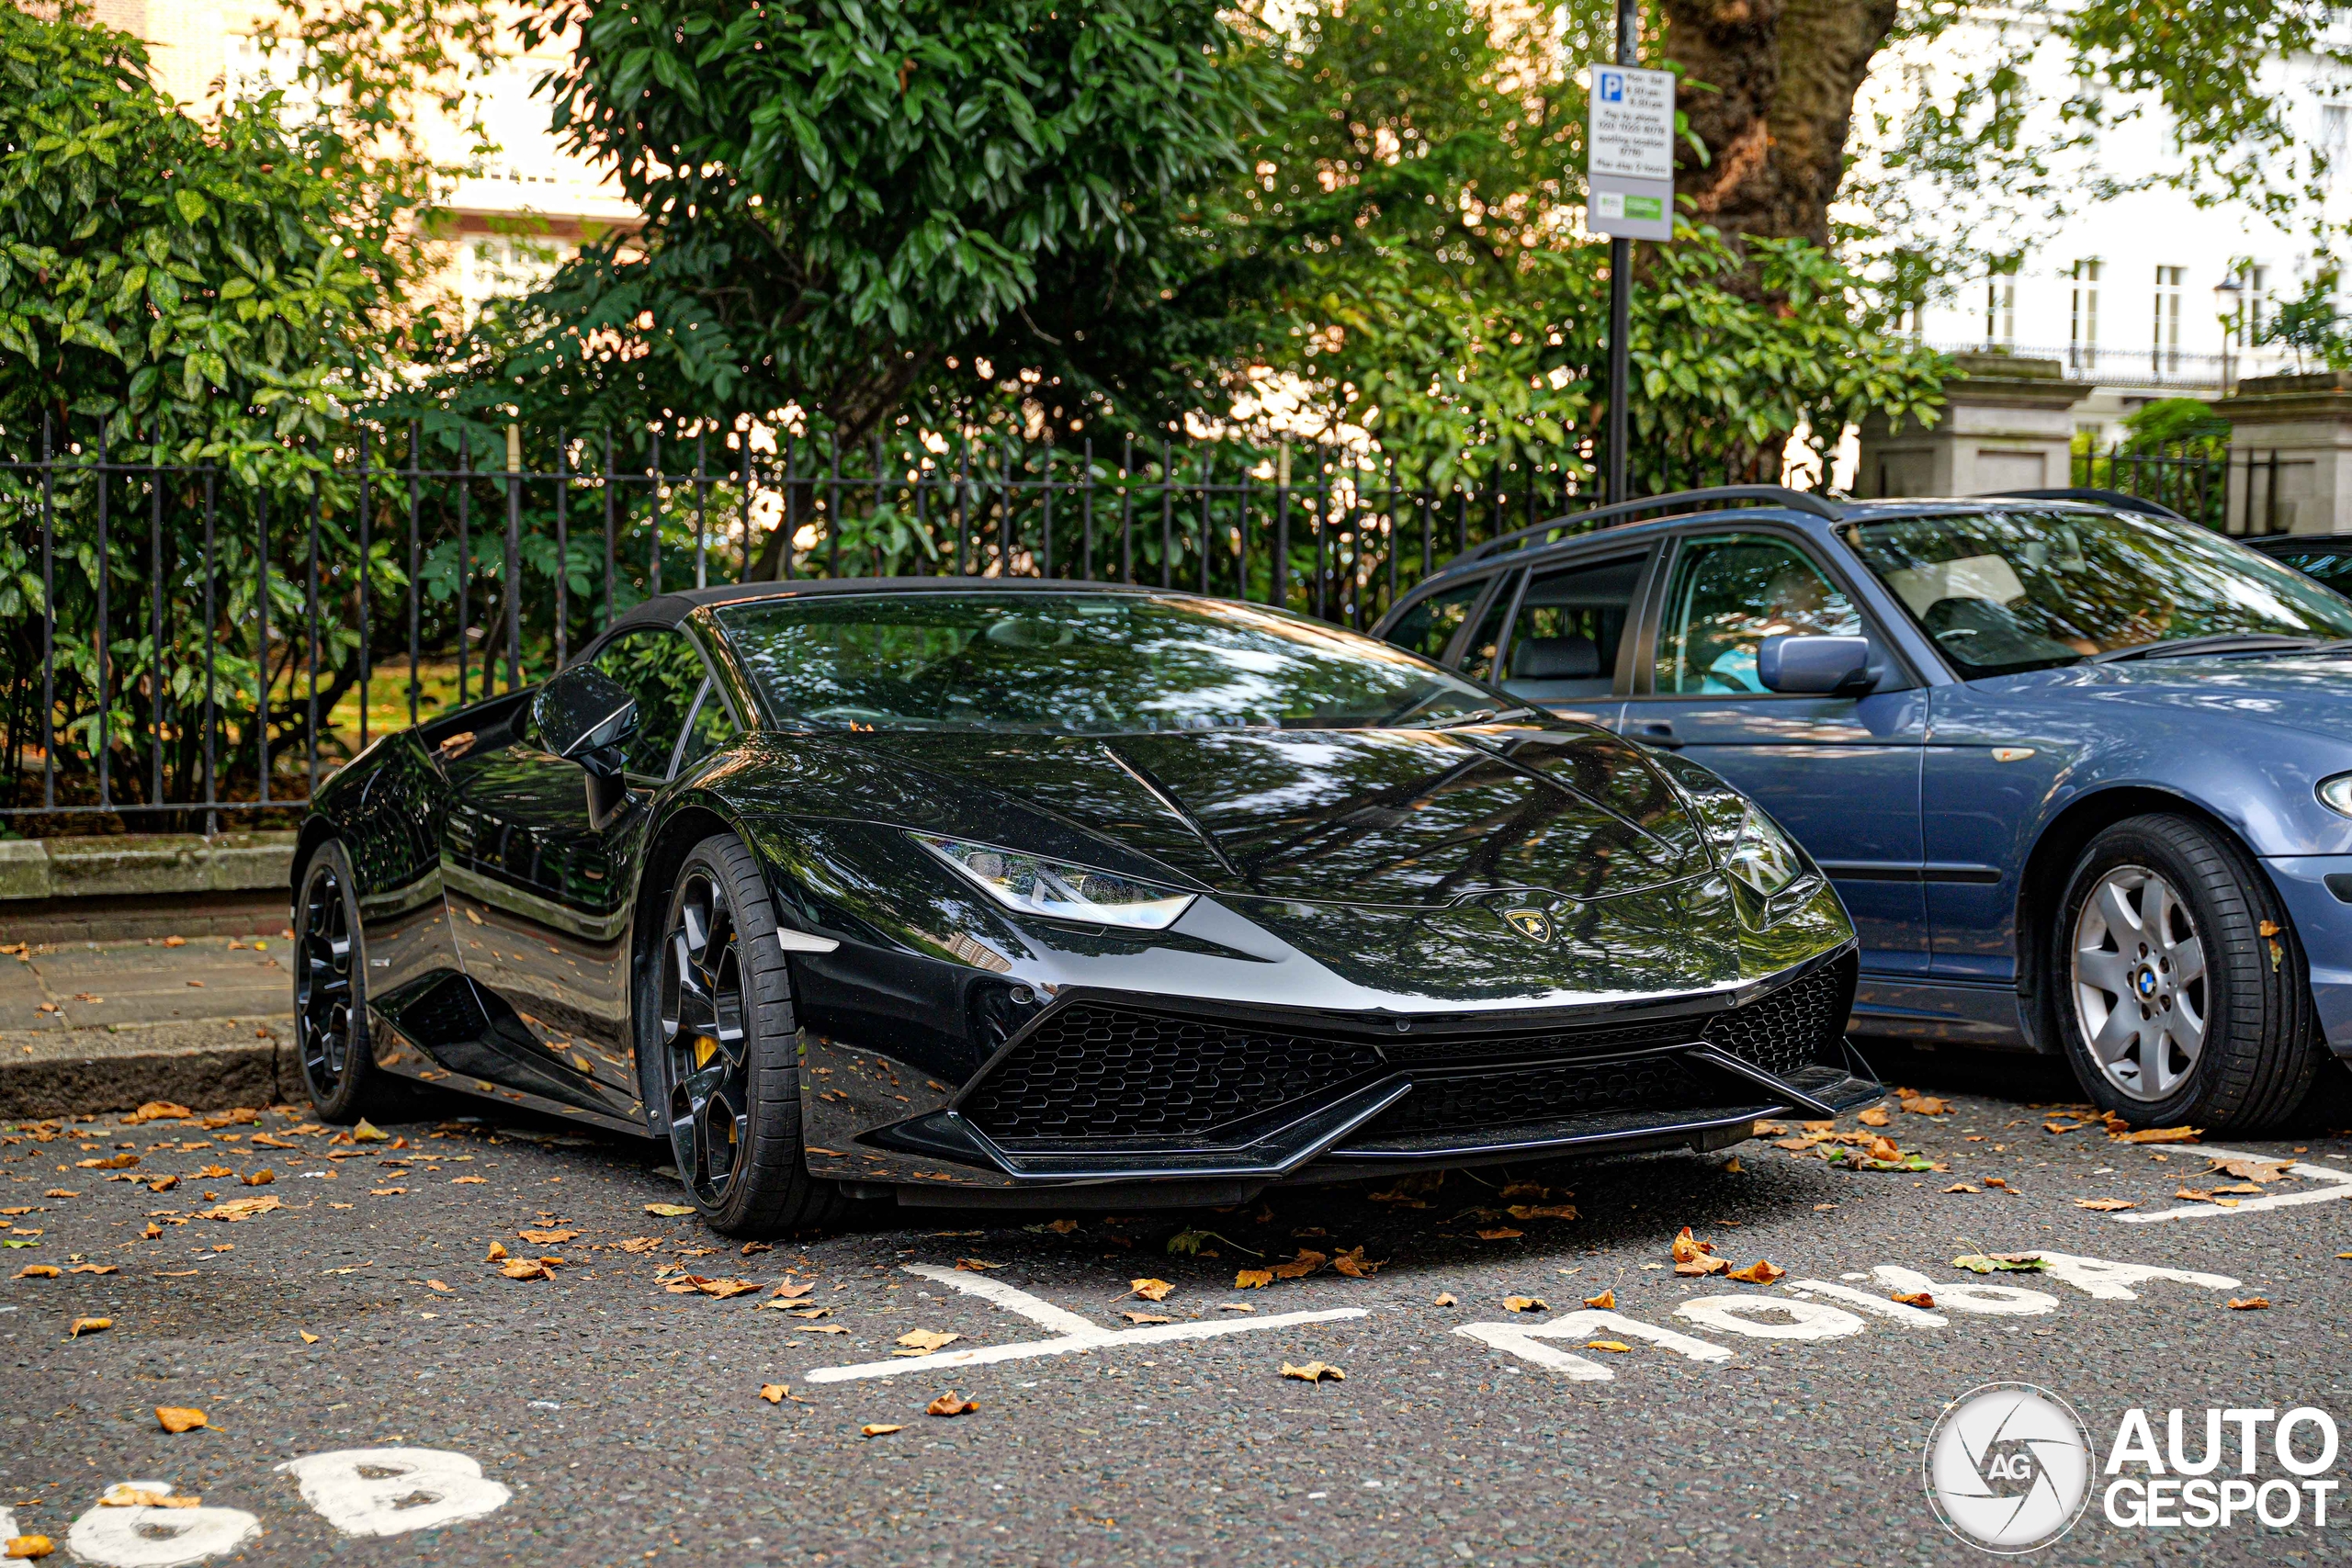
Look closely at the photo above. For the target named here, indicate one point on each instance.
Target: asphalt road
(615, 1421)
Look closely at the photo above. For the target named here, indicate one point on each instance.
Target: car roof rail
(2122, 500)
(1779, 495)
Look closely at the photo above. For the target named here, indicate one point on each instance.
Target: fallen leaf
(89, 1324)
(112, 1162)
(879, 1429)
(547, 1238)
(723, 1289)
(1061, 1227)
(241, 1209)
(790, 1290)
(822, 1328)
(175, 942)
(261, 1177)
(667, 1211)
(29, 1546)
(1542, 1211)
(1147, 1317)
(264, 1141)
(367, 1132)
(1689, 1248)
(1307, 1262)
(177, 1418)
(437, 1285)
(948, 1405)
(123, 1495)
(1525, 1304)
(774, 1392)
(526, 1269)
(923, 1341)
(1763, 1271)
(2249, 1303)
(2103, 1205)
(1699, 1267)
(980, 1265)
(1150, 1290)
(1315, 1371)
(1605, 1302)
(92, 1269)
(468, 1180)
(1500, 1233)
(1353, 1264)
(1921, 1104)
(1617, 1346)
(1876, 1116)
(2248, 1168)
(37, 1271)
(388, 1192)
(1999, 1263)
(158, 1111)
(1731, 1167)
(307, 1338)
(1253, 1278)
(1444, 1299)
(1920, 1298)
(214, 1173)
(1961, 1186)
(1998, 1181)
(2156, 1135)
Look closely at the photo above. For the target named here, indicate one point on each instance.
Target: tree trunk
(1785, 74)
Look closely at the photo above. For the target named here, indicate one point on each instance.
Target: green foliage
(2313, 325)
(2170, 422)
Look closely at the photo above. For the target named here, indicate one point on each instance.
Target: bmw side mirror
(1816, 666)
(585, 716)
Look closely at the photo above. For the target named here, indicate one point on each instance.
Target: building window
(2334, 133)
(2082, 350)
(2165, 348)
(2001, 305)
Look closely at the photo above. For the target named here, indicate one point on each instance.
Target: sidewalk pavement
(102, 1026)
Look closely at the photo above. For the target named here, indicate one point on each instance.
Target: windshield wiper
(2214, 642)
(1481, 716)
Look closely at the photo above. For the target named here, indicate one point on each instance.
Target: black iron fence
(2233, 492)
(192, 646)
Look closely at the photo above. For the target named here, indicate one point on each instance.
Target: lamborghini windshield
(1078, 664)
(2026, 588)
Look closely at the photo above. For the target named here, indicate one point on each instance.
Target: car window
(2330, 566)
(659, 668)
(709, 729)
(1729, 593)
(1563, 641)
(1478, 655)
(1427, 628)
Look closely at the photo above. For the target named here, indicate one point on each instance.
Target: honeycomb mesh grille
(1410, 1052)
(1093, 1072)
(1541, 1094)
(1790, 1028)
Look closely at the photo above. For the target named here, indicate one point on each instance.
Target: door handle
(1658, 732)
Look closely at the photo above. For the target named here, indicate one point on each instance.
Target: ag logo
(1532, 924)
(2009, 1467)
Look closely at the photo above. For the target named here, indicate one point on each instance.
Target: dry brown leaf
(2244, 1189)
(547, 1238)
(265, 1141)
(214, 1173)
(92, 1269)
(1061, 1227)
(1355, 1265)
(1147, 1317)
(1961, 1186)
(670, 1210)
(1253, 1278)
(2156, 1134)
(2248, 1303)
(367, 1132)
(242, 1209)
(790, 1290)
(1605, 1302)
(1500, 1233)
(37, 1271)
(1307, 1262)
(725, 1288)
(437, 1285)
(1763, 1271)
(1315, 1371)
(1733, 1168)
(307, 1338)
(468, 1180)
(1996, 1181)
(89, 1325)
(2104, 1205)
(1444, 1299)
(261, 1177)
(774, 1392)
(1923, 1300)
(1542, 1210)
(1876, 1116)
(179, 1418)
(879, 1429)
(923, 1341)
(28, 1546)
(1689, 1248)
(1616, 1346)
(1921, 1104)
(122, 1494)
(112, 1162)
(1525, 1304)
(2247, 1168)
(1150, 1290)
(639, 1243)
(948, 1405)
(822, 1328)
(497, 1252)
(526, 1269)
(158, 1111)
(1699, 1267)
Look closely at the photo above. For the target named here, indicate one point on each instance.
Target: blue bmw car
(2083, 776)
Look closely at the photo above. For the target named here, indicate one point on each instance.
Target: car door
(1569, 633)
(540, 901)
(1841, 774)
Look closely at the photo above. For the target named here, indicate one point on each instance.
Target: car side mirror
(1818, 666)
(585, 716)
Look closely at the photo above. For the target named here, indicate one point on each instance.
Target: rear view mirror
(585, 716)
(1818, 666)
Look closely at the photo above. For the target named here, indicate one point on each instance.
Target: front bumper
(1103, 1090)
(2323, 919)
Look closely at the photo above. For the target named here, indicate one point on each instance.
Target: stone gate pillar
(2007, 424)
(2291, 454)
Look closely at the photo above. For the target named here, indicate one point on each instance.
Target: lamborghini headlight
(1035, 885)
(1762, 856)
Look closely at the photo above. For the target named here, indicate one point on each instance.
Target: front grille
(1790, 1028)
(1410, 1052)
(1092, 1072)
(1541, 1094)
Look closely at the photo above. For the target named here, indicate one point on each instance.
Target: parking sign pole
(1621, 296)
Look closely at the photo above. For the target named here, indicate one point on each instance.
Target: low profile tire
(330, 991)
(2182, 994)
(723, 1043)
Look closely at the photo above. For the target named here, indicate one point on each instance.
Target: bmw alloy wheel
(2139, 982)
(705, 1047)
(322, 979)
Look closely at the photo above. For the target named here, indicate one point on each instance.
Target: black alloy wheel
(330, 987)
(724, 1047)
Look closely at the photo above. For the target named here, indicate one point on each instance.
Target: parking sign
(1630, 153)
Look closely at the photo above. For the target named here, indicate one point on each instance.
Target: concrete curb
(205, 1065)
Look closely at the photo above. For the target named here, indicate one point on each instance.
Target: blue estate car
(2083, 776)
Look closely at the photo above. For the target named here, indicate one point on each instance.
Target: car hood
(1373, 817)
(2308, 692)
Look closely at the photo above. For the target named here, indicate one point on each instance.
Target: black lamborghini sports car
(1035, 892)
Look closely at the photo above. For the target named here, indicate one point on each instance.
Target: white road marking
(2336, 1185)
(2112, 1281)
(1877, 1307)
(1748, 1316)
(1997, 1301)
(391, 1491)
(1075, 1333)
(158, 1538)
(1524, 1340)
(7, 1526)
